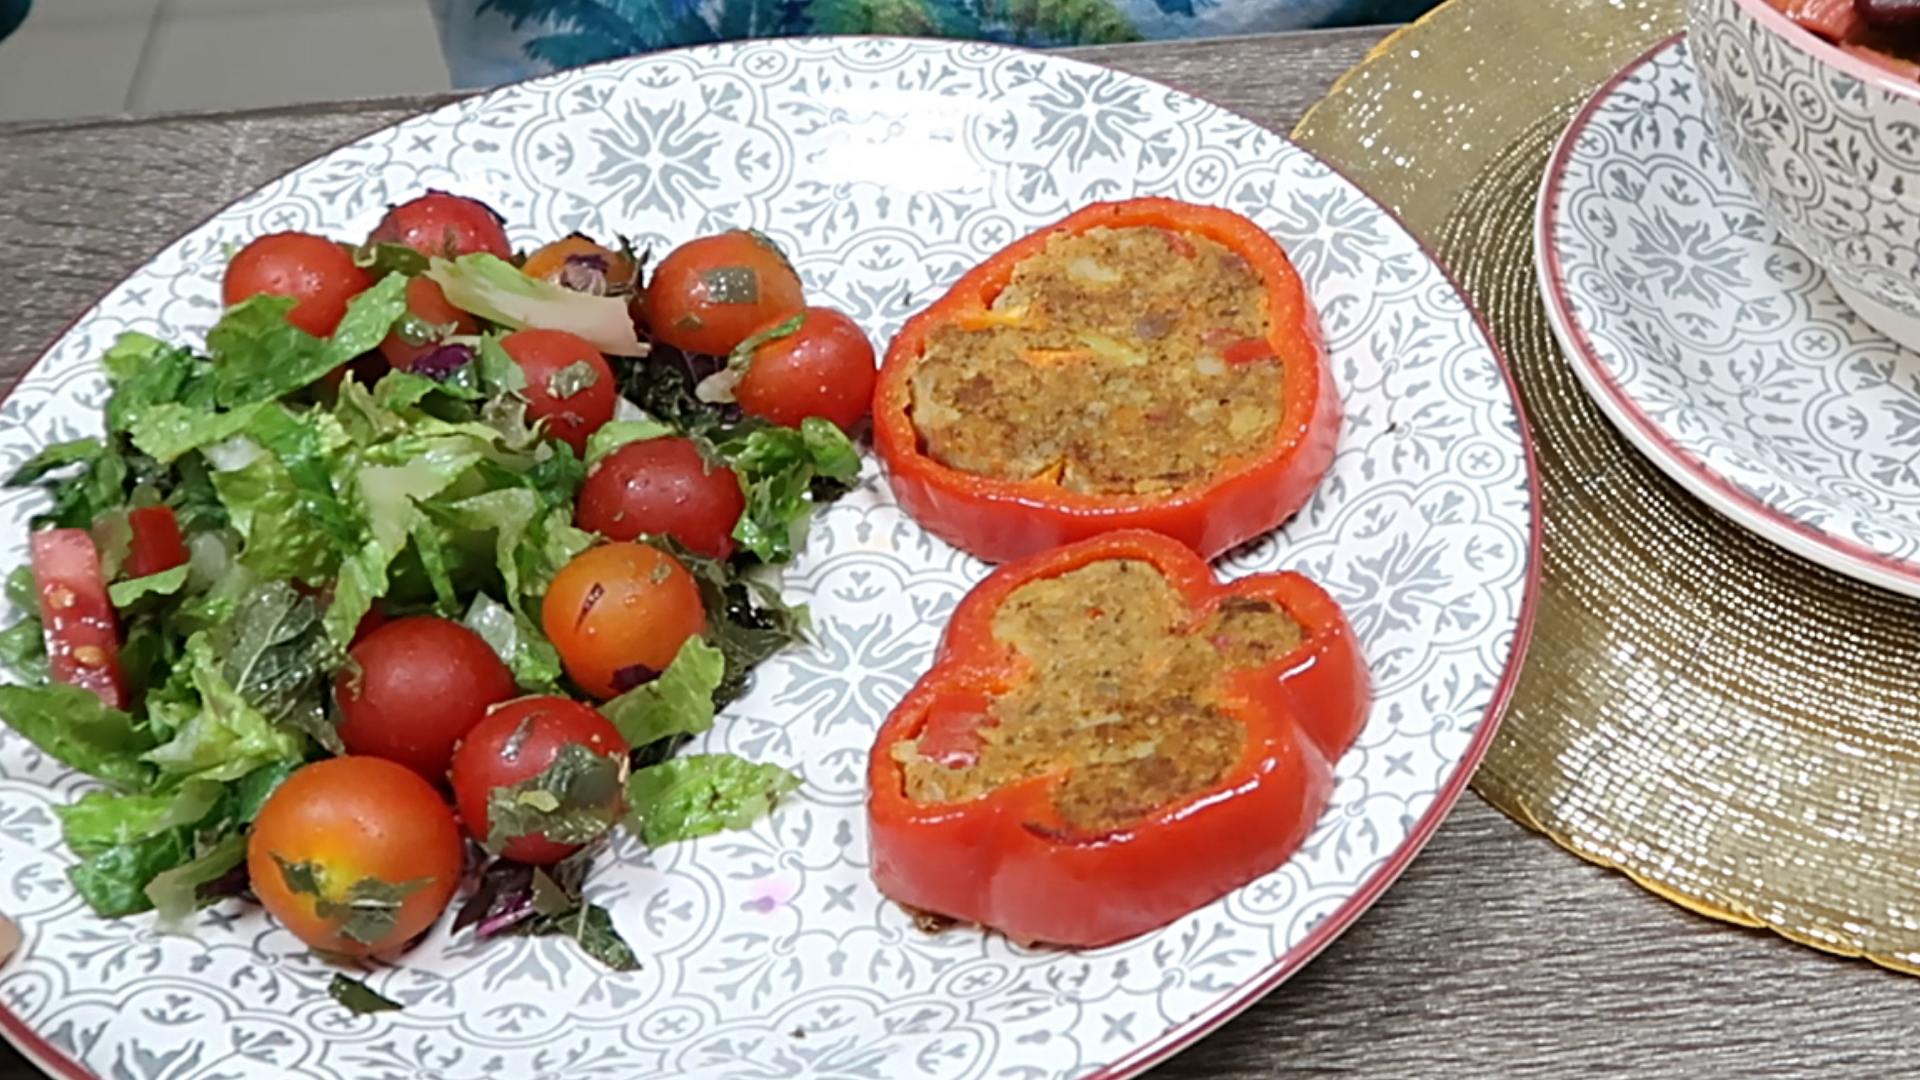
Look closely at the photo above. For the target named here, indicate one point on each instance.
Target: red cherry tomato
(573, 400)
(516, 743)
(423, 683)
(444, 225)
(316, 272)
(428, 304)
(666, 487)
(708, 294)
(355, 855)
(82, 629)
(157, 544)
(620, 612)
(824, 368)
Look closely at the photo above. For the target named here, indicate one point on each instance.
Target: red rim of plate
(1233, 1002)
(1834, 552)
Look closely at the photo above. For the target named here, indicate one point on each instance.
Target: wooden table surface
(1497, 955)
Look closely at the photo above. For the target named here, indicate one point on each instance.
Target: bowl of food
(1817, 104)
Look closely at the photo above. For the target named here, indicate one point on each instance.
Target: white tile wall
(76, 58)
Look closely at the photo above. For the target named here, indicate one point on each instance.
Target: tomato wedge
(157, 543)
(83, 634)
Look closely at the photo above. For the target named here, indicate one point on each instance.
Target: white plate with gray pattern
(886, 167)
(1715, 346)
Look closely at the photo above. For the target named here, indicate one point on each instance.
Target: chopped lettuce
(125, 594)
(175, 893)
(684, 798)
(259, 356)
(75, 727)
(618, 433)
(498, 291)
(102, 819)
(678, 702)
(228, 737)
(518, 640)
(777, 467)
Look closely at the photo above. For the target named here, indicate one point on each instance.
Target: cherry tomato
(423, 683)
(444, 225)
(551, 360)
(427, 303)
(619, 613)
(663, 486)
(578, 263)
(707, 295)
(355, 855)
(519, 741)
(157, 545)
(824, 368)
(316, 272)
(82, 629)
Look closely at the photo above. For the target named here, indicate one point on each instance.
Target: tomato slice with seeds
(83, 633)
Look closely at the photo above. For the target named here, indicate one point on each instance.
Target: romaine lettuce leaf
(618, 433)
(496, 290)
(534, 661)
(101, 819)
(678, 702)
(778, 467)
(75, 727)
(113, 880)
(688, 797)
(227, 737)
(259, 356)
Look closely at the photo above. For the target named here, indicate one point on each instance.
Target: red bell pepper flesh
(157, 543)
(1007, 860)
(997, 519)
(83, 633)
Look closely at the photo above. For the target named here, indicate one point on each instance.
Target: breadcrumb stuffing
(1121, 695)
(1103, 367)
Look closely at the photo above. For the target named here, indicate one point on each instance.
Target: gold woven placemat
(1732, 726)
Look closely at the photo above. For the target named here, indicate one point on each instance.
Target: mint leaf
(357, 997)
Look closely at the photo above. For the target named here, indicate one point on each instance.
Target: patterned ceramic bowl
(1830, 145)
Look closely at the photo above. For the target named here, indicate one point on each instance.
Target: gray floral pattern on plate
(1718, 347)
(886, 168)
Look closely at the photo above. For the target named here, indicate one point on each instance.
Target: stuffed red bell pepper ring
(1141, 364)
(1109, 739)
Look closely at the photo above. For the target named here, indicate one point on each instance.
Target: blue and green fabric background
(488, 42)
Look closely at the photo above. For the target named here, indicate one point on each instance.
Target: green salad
(410, 585)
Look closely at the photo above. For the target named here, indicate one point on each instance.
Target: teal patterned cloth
(489, 42)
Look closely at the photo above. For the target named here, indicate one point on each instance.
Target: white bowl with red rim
(1828, 139)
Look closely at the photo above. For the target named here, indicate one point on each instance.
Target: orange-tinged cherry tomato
(708, 294)
(316, 272)
(823, 368)
(577, 262)
(444, 225)
(427, 302)
(619, 613)
(569, 384)
(516, 744)
(663, 486)
(355, 855)
(423, 683)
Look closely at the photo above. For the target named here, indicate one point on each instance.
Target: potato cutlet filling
(1104, 367)
(1121, 696)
